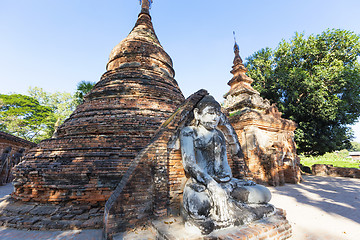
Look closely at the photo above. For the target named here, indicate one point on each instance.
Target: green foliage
(62, 105)
(83, 88)
(315, 82)
(36, 117)
(337, 159)
(355, 147)
(23, 116)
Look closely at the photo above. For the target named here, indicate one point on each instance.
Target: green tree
(83, 88)
(61, 103)
(314, 81)
(24, 116)
(355, 147)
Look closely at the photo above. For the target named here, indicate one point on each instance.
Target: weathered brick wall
(12, 149)
(268, 146)
(266, 138)
(177, 180)
(330, 170)
(8, 140)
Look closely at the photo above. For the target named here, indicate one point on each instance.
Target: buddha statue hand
(221, 210)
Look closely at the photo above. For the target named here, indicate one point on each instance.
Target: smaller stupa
(267, 139)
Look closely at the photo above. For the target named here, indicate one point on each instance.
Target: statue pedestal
(272, 227)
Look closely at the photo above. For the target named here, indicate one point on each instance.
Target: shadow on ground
(339, 196)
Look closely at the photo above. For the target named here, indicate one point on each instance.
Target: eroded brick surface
(12, 148)
(17, 214)
(267, 139)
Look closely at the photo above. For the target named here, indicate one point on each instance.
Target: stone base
(274, 227)
(35, 216)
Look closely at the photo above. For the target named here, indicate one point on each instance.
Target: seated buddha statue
(212, 198)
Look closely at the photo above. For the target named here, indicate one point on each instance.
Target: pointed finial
(236, 51)
(236, 46)
(145, 5)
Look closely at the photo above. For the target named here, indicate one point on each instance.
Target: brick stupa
(82, 164)
(266, 138)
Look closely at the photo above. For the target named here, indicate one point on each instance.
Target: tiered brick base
(275, 227)
(20, 215)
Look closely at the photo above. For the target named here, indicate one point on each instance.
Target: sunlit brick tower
(81, 165)
(267, 139)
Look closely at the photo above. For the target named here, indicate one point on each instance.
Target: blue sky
(55, 44)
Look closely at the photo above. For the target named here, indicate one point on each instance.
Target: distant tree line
(315, 81)
(36, 116)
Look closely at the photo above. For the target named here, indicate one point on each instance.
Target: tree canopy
(355, 147)
(36, 117)
(83, 88)
(315, 81)
(62, 105)
(23, 116)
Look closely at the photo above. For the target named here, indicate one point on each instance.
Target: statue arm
(231, 136)
(222, 167)
(188, 157)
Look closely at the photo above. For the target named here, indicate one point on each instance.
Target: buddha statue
(212, 198)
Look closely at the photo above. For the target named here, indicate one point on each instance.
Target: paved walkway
(319, 208)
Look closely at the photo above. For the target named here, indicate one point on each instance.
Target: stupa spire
(145, 6)
(238, 69)
(237, 58)
(240, 83)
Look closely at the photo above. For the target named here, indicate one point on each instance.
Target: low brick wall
(330, 170)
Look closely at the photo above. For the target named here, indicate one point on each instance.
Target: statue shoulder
(187, 131)
(220, 133)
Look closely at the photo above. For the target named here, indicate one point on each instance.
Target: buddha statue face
(208, 117)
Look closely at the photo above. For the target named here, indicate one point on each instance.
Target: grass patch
(337, 159)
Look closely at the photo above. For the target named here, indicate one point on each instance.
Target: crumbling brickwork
(12, 149)
(267, 139)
